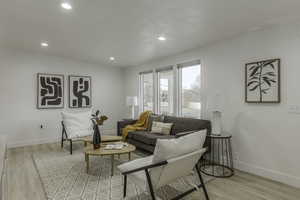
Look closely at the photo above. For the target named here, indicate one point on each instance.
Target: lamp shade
(131, 101)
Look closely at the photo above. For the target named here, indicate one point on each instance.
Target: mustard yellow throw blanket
(140, 125)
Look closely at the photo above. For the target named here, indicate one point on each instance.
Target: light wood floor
(24, 182)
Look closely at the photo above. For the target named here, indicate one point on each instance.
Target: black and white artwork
(50, 91)
(262, 81)
(80, 92)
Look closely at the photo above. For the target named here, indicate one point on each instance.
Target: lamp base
(132, 112)
(216, 123)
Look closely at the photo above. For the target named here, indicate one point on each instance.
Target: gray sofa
(181, 126)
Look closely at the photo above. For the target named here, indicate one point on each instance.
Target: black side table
(218, 161)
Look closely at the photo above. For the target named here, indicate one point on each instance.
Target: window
(173, 90)
(165, 91)
(189, 90)
(147, 91)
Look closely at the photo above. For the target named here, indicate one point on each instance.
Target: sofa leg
(71, 147)
(125, 186)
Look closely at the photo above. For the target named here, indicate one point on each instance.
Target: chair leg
(71, 147)
(62, 139)
(125, 186)
(202, 183)
(150, 184)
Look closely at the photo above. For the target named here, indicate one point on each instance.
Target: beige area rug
(64, 177)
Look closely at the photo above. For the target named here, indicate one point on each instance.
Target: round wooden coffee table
(104, 139)
(89, 151)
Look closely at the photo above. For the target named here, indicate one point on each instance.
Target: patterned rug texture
(64, 177)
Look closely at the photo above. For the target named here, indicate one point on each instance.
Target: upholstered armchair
(75, 126)
(172, 159)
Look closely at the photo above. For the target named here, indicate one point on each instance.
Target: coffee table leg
(129, 156)
(112, 164)
(87, 163)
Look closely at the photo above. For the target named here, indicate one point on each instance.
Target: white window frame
(157, 94)
(179, 85)
(141, 90)
(176, 87)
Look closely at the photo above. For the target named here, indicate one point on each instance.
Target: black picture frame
(71, 94)
(262, 81)
(58, 88)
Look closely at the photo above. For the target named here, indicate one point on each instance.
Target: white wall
(19, 117)
(266, 137)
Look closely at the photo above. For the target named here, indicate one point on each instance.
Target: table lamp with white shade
(132, 101)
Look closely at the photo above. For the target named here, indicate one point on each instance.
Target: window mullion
(158, 92)
(141, 99)
(155, 96)
(175, 90)
(179, 85)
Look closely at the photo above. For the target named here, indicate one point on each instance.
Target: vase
(96, 137)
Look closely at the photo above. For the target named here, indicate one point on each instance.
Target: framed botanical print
(80, 91)
(50, 91)
(262, 81)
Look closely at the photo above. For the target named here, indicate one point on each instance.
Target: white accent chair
(172, 159)
(75, 126)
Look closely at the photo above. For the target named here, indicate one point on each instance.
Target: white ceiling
(127, 29)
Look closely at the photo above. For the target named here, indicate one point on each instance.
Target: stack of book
(118, 145)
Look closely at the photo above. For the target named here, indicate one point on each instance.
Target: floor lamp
(132, 101)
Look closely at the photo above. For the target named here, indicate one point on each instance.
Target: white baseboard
(23, 143)
(267, 173)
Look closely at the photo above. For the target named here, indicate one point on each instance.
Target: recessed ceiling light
(44, 44)
(112, 58)
(161, 38)
(66, 6)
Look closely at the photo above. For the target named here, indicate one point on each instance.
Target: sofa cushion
(140, 145)
(182, 124)
(148, 138)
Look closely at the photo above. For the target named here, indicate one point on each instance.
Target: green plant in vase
(97, 120)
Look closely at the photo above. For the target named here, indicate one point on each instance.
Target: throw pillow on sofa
(160, 127)
(154, 118)
(166, 149)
